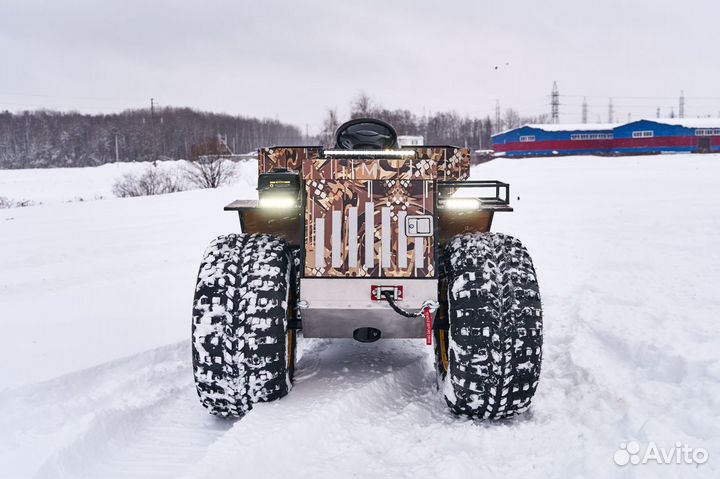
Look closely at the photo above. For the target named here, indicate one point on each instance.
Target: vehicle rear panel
(355, 208)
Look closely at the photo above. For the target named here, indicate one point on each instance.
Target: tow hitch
(377, 292)
(428, 307)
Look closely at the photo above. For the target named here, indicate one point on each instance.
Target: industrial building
(555, 139)
(667, 135)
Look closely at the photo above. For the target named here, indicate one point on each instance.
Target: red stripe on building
(607, 145)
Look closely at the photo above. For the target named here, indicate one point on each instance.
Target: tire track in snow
(368, 409)
(356, 409)
(140, 416)
(348, 403)
(137, 416)
(373, 410)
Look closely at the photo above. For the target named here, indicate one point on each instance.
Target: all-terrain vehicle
(368, 240)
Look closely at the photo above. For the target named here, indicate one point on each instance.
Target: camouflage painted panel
(285, 157)
(356, 228)
(369, 169)
(456, 166)
(453, 164)
(443, 163)
(320, 169)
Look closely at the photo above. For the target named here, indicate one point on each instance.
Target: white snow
(689, 122)
(626, 251)
(57, 185)
(574, 126)
(686, 122)
(566, 127)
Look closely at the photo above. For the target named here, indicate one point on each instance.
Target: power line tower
(681, 105)
(584, 110)
(498, 126)
(555, 104)
(657, 112)
(611, 112)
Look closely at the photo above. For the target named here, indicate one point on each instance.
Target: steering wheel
(365, 134)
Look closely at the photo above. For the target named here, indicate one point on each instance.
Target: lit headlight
(278, 202)
(462, 204)
(279, 189)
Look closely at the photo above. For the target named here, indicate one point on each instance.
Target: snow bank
(58, 185)
(627, 258)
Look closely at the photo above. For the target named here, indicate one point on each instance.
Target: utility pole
(584, 110)
(611, 111)
(153, 129)
(681, 105)
(555, 104)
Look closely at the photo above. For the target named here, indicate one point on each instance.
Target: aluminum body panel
(338, 306)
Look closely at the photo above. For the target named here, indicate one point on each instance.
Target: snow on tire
(494, 345)
(239, 327)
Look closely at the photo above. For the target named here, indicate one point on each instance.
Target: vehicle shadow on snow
(389, 376)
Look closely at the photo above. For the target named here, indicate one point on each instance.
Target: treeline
(441, 128)
(41, 139)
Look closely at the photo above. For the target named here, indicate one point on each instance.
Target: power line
(620, 105)
(715, 98)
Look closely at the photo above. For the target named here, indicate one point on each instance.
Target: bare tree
(210, 164)
(330, 125)
(361, 107)
(511, 118)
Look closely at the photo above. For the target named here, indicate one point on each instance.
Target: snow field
(627, 258)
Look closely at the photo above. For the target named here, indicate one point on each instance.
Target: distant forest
(41, 139)
(441, 128)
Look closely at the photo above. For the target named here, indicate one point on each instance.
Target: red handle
(428, 326)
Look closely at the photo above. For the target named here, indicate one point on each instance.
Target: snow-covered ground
(58, 185)
(95, 302)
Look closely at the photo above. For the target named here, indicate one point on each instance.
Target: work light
(461, 203)
(279, 189)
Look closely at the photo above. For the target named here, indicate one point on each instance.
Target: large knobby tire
(490, 356)
(243, 351)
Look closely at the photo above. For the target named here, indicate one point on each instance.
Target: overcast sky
(293, 60)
